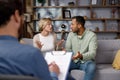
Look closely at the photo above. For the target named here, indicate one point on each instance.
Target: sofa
(105, 55)
(106, 52)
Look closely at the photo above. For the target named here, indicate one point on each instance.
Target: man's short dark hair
(80, 20)
(7, 8)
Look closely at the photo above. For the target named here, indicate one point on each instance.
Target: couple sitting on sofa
(82, 42)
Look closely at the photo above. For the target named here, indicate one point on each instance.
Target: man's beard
(76, 31)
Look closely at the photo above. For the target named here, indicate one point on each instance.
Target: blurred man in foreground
(16, 58)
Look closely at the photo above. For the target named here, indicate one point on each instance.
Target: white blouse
(47, 41)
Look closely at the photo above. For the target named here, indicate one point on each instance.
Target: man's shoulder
(72, 33)
(29, 49)
(36, 35)
(90, 32)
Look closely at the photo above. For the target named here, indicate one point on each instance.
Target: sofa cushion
(28, 41)
(103, 72)
(116, 62)
(106, 72)
(105, 57)
(106, 50)
(77, 74)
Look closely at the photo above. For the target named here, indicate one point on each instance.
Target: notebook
(62, 59)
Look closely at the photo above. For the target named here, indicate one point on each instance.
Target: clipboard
(62, 59)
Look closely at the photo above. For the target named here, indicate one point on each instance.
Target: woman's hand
(39, 44)
(59, 44)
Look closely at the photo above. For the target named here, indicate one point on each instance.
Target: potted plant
(42, 2)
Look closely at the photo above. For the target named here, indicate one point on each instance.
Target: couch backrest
(106, 50)
(105, 53)
(28, 41)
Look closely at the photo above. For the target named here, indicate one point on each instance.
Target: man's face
(74, 26)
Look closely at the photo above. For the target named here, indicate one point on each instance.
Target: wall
(101, 13)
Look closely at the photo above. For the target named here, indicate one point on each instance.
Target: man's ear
(79, 25)
(17, 16)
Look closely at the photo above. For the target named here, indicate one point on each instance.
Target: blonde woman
(46, 39)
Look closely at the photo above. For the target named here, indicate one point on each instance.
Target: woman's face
(48, 27)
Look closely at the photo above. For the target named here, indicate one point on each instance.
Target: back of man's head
(7, 8)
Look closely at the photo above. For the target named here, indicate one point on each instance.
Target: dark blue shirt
(21, 59)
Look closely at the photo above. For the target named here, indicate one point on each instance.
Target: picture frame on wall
(27, 17)
(66, 14)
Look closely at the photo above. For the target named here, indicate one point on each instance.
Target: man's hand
(39, 44)
(53, 67)
(78, 55)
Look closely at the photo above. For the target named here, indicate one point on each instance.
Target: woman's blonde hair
(43, 22)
